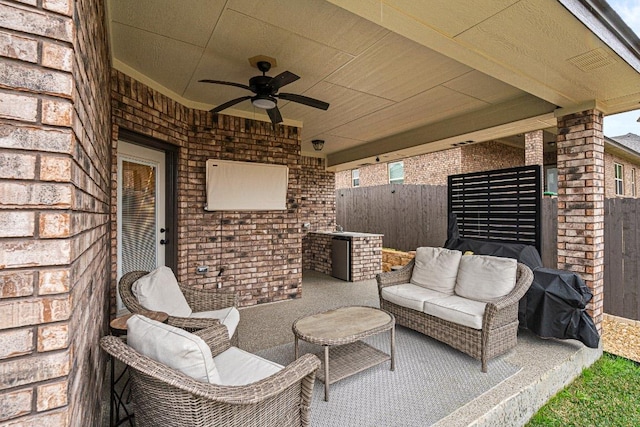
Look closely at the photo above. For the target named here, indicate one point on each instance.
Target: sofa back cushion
(485, 278)
(436, 269)
(174, 347)
(159, 291)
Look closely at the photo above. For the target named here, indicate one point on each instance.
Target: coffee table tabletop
(343, 328)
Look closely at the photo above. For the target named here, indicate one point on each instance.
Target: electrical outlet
(202, 269)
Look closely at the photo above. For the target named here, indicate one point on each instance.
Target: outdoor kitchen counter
(366, 253)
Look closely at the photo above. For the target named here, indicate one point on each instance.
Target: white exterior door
(141, 209)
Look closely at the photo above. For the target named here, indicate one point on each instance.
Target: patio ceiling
(403, 77)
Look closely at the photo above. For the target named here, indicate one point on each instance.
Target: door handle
(162, 230)
(164, 242)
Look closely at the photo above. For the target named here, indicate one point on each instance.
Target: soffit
(391, 67)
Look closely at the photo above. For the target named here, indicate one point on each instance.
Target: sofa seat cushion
(237, 367)
(486, 278)
(462, 311)
(174, 347)
(409, 295)
(229, 317)
(159, 291)
(436, 269)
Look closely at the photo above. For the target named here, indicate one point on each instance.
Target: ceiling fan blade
(282, 79)
(311, 102)
(220, 82)
(274, 115)
(229, 104)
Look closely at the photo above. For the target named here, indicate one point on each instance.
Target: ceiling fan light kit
(266, 93)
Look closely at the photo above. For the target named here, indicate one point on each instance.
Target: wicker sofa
(256, 393)
(478, 317)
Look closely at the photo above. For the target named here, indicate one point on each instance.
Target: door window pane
(138, 217)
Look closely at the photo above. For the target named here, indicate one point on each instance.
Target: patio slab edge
(518, 408)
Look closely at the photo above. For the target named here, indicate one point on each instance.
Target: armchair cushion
(436, 269)
(159, 291)
(175, 347)
(486, 278)
(237, 367)
(229, 317)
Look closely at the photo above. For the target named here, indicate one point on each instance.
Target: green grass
(607, 394)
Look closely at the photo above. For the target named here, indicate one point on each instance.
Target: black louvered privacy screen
(500, 205)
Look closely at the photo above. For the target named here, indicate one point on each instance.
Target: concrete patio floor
(547, 366)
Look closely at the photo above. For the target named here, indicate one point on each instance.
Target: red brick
(57, 56)
(17, 342)
(53, 337)
(53, 395)
(15, 404)
(43, 367)
(57, 112)
(17, 194)
(34, 311)
(32, 138)
(18, 107)
(54, 225)
(55, 168)
(53, 282)
(16, 224)
(33, 21)
(34, 79)
(64, 7)
(18, 47)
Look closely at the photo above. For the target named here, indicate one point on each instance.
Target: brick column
(533, 148)
(581, 202)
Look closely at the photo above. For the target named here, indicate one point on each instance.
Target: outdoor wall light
(317, 144)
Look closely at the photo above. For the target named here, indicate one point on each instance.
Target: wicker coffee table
(342, 329)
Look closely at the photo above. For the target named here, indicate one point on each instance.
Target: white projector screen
(246, 186)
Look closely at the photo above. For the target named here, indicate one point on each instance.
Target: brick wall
(54, 184)
(317, 201)
(488, 156)
(581, 202)
(366, 257)
(434, 168)
(343, 179)
(610, 173)
(261, 251)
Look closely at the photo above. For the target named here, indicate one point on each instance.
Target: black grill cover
(554, 307)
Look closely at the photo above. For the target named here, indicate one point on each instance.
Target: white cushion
(409, 295)
(461, 311)
(159, 291)
(237, 367)
(486, 278)
(229, 317)
(174, 347)
(436, 269)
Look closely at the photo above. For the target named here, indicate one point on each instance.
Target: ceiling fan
(266, 93)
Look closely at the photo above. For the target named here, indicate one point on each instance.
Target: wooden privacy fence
(621, 258)
(409, 216)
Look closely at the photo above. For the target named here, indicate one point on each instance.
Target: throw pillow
(159, 291)
(485, 278)
(436, 269)
(174, 347)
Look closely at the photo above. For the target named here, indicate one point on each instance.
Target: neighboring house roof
(625, 145)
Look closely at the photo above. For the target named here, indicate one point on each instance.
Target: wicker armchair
(198, 300)
(499, 324)
(165, 397)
